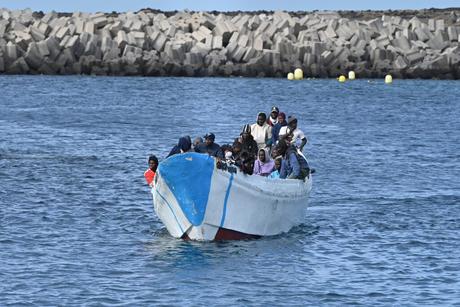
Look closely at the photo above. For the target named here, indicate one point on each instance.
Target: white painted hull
(238, 204)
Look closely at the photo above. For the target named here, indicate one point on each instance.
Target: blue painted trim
(227, 194)
(169, 206)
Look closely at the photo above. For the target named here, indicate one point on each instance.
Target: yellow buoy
(290, 76)
(388, 79)
(342, 79)
(298, 74)
(351, 75)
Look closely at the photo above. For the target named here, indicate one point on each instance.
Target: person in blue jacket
(209, 147)
(293, 166)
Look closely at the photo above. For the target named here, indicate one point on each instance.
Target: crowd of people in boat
(271, 147)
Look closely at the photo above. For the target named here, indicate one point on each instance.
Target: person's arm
(295, 166)
(304, 141)
(219, 153)
(283, 171)
(256, 170)
(268, 137)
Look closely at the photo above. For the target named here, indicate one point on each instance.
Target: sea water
(77, 225)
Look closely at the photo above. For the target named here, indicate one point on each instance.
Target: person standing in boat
(184, 145)
(273, 118)
(264, 165)
(298, 137)
(149, 174)
(277, 127)
(261, 131)
(248, 144)
(209, 147)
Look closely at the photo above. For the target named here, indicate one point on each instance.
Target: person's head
(274, 112)
(153, 163)
(209, 139)
(275, 152)
(278, 163)
(292, 122)
(261, 118)
(282, 146)
(248, 165)
(197, 141)
(289, 134)
(246, 131)
(261, 155)
(281, 118)
(185, 143)
(237, 147)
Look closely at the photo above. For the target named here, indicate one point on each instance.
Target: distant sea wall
(407, 44)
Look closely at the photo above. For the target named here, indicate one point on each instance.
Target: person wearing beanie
(248, 144)
(273, 118)
(298, 137)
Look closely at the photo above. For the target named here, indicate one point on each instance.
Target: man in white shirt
(298, 137)
(261, 131)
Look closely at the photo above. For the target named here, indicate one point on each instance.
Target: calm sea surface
(77, 225)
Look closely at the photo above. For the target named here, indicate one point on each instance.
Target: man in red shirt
(150, 172)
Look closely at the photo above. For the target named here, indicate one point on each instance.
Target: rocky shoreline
(406, 44)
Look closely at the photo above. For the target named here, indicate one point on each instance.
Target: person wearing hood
(273, 118)
(261, 131)
(209, 147)
(281, 122)
(184, 145)
(264, 165)
(248, 144)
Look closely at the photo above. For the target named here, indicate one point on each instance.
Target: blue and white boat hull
(197, 201)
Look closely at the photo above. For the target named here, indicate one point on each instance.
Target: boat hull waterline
(196, 200)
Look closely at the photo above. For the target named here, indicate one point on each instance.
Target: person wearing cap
(209, 147)
(273, 118)
(281, 122)
(248, 144)
(297, 135)
(261, 131)
(149, 174)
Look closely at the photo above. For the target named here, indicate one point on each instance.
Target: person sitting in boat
(276, 172)
(149, 174)
(261, 131)
(248, 144)
(277, 127)
(264, 165)
(184, 145)
(293, 165)
(209, 147)
(273, 118)
(298, 138)
(197, 141)
(247, 163)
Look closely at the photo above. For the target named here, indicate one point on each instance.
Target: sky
(222, 5)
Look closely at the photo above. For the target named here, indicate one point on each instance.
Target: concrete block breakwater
(153, 43)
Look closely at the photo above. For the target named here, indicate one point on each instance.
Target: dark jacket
(185, 143)
(213, 150)
(249, 146)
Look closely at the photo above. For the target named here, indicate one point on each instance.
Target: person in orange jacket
(149, 174)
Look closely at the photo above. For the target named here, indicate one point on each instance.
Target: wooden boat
(198, 201)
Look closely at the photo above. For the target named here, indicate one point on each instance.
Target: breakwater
(421, 44)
